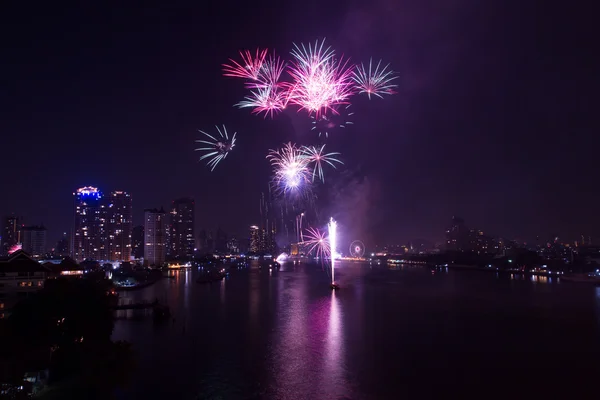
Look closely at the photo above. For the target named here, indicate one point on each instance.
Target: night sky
(495, 117)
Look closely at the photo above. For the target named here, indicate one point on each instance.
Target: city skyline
(19, 227)
(470, 132)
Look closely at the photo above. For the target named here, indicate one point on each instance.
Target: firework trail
(290, 168)
(317, 242)
(375, 82)
(337, 119)
(319, 81)
(218, 148)
(250, 66)
(332, 227)
(317, 156)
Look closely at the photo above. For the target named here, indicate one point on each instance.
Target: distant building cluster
(462, 239)
(262, 240)
(550, 251)
(17, 236)
(262, 237)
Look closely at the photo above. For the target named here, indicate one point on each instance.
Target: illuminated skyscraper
(255, 239)
(181, 228)
(155, 233)
(11, 233)
(118, 221)
(102, 226)
(88, 240)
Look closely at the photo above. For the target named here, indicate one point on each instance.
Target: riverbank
(568, 277)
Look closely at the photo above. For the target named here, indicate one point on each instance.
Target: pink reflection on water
(308, 352)
(333, 372)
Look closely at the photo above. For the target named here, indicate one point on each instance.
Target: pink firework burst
(268, 100)
(319, 80)
(290, 168)
(375, 81)
(250, 66)
(270, 73)
(317, 242)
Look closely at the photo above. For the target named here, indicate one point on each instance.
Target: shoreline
(566, 277)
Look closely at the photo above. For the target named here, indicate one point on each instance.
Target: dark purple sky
(494, 121)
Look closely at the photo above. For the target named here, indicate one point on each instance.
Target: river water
(386, 334)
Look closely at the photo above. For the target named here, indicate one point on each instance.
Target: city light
(89, 191)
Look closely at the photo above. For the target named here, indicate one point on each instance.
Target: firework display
(339, 118)
(218, 147)
(318, 243)
(317, 80)
(264, 99)
(376, 81)
(290, 168)
(295, 168)
(317, 156)
(250, 68)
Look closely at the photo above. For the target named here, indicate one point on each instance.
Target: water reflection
(539, 279)
(291, 353)
(334, 358)
(308, 355)
(254, 299)
(287, 336)
(186, 291)
(222, 290)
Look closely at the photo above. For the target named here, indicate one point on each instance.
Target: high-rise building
(181, 228)
(118, 221)
(88, 240)
(255, 239)
(155, 233)
(102, 226)
(137, 242)
(34, 240)
(11, 233)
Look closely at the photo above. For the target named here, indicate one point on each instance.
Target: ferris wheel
(357, 249)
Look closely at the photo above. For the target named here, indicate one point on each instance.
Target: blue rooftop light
(89, 191)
